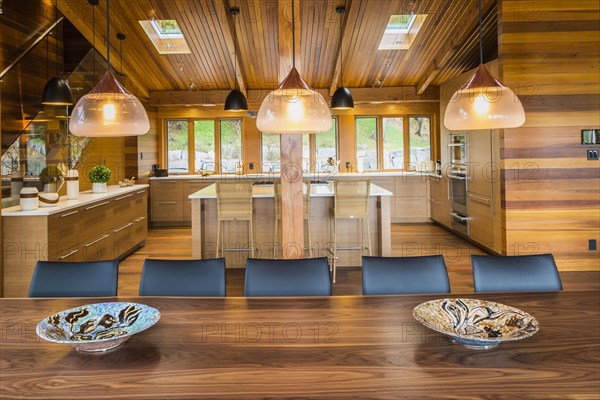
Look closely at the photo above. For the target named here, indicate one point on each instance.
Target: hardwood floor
(407, 240)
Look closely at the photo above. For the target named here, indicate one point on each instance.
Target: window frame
(406, 140)
(192, 143)
(312, 147)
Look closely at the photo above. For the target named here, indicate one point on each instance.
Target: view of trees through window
(393, 143)
(177, 146)
(204, 145)
(325, 145)
(366, 143)
(231, 144)
(420, 140)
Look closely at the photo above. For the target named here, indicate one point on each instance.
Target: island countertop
(307, 175)
(85, 198)
(258, 191)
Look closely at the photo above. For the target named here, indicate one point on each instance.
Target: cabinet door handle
(480, 199)
(97, 240)
(124, 197)
(68, 254)
(459, 217)
(71, 213)
(435, 201)
(97, 205)
(169, 182)
(140, 192)
(167, 202)
(123, 227)
(140, 219)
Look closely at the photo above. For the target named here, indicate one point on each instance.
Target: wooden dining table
(346, 347)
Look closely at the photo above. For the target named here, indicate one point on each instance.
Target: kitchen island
(204, 226)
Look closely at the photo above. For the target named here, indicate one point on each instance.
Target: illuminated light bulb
(481, 104)
(110, 113)
(295, 109)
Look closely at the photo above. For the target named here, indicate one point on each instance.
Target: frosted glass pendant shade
(109, 110)
(293, 108)
(484, 103)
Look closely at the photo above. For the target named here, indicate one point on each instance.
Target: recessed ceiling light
(376, 102)
(208, 105)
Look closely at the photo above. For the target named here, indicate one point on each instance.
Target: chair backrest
(402, 275)
(183, 278)
(277, 195)
(305, 277)
(515, 273)
(351, 198)
(75, 279)
(234, 200)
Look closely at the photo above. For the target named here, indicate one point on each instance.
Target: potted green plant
(99, 175)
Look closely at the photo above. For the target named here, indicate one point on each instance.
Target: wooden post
(292, 205)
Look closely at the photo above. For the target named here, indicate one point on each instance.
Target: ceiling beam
(348, 25)
(467, 23)
(75, 16)
(228, 26)
(399, 94)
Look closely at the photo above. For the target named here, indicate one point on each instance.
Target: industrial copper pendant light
(483, 102)
(109, 110)
(294, 107)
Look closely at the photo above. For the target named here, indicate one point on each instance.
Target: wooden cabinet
(481, 226)
(439, 203)
(170, 205)
(480, 169)
(411, 199)
(101, 230)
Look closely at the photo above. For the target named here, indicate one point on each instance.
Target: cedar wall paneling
(107, 151)
(549, 51)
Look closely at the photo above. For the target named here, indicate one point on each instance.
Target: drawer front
(187, 210)
(481, 221)
(64, 251)
(190, 187)
(123, 237)
(65, 226)
(140, 229)
(411, 186)
(95, 218)
(388, 183)
(166, 190)
(167, 211)
(123, 207)
(412, 209)
(98, 248)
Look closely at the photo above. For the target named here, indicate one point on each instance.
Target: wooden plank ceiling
(445, 46)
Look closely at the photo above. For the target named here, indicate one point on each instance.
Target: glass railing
(36, 144)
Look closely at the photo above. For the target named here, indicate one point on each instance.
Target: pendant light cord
(107, 38)
(235, 52)
(94, 39)
(293, 36)
(480, 35)
(341, 50)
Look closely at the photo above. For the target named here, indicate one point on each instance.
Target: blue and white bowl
(478, 324)
(97, 327)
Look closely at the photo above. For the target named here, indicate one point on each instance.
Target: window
(393, 143)
(167, 28)
(271, 152)
(324, 145)
(177, 146)
(366, 143)
(166, 36)
(204, 145)
(401, 31)
(231, 144)
(420, 140)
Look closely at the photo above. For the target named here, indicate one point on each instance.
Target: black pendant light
(342, 99)
(57, 91)
(235, 101)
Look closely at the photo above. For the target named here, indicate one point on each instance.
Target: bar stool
(277, 194)
(350, 201)
(234, 203)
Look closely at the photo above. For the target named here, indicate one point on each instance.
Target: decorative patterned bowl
(478, 324)
(97, 327)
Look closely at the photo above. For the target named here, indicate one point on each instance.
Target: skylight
(167, 28)
(166, 36)
(401, 31)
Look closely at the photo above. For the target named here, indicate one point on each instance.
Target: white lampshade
(294, 108)
(109, 110)
(484, 103)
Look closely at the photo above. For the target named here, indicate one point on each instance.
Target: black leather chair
(75, 279)
(306, 277)
(183, 278)
(515, 273)
(402, 275)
